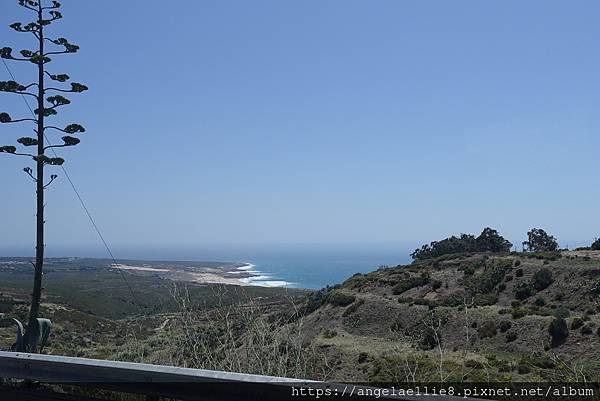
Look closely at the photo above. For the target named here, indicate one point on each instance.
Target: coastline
(241, 274)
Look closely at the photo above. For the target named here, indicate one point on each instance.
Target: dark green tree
(489, 240)
(596, 245)
(48, 101)
(540, 241)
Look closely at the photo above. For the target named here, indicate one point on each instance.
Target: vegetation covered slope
(476, 316)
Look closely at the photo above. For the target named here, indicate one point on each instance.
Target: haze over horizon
(254, 123)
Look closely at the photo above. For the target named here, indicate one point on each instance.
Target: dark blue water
(314, 271)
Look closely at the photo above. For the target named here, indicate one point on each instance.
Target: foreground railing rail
(157, 381)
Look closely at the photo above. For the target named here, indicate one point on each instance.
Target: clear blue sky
(280, 122)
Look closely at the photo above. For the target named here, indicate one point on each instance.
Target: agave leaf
(44, 327)
(18, 346)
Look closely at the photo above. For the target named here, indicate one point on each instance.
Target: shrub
(485, 299)
(542, 279)
(523, 369)
(508, 278)
(519, 273)
(471, 363)
(596, 245)
(515, 304)
(562, 312)
(501, 287)
(486, 281)
(353, 307)
(428, 339)
(362, 357)
(340, 298)
(511, 336)
(410, 283)
(469, 271)
(329, 333)
(558, 331)
(487, 329)
(518, 313)
(576, 323)
(586, 330)
(504, 326)
(524, 291)
(436, 284)
(517, 263)
(356, 281)
(540, 301)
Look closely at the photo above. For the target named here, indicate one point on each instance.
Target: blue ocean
(310, 267)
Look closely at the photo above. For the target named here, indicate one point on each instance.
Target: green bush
(356, 281)
(586, 330)
(329, 333)
(340, 298)
(436, 284)
(504, 326)
(487, 329)
(558, 331)
(363, 357)
(353, 307)
(524, 291)
(410, 283)
(596, 245)
(517, 263)
(562, 312)
(519, 273)
(485, 299)
(576, 323)
(511, 336)
(542, 279)
(518, 313)
(428, 339)
(523, 368)
(540, 301)
(486, 281)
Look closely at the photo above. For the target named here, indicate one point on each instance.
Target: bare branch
(75, 88)
(68, 141)
(52, 178)
(6, 53)
(69, 129)
(22, 3)
(11, 150)
(58, 77)
(5, 119)
(55, 4)
(29, 172)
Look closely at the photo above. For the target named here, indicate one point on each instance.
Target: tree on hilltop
(488, 241)
(596, 245)
(540, 241)
(48, 101)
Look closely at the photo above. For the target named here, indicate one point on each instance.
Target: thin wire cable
(87, 212)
